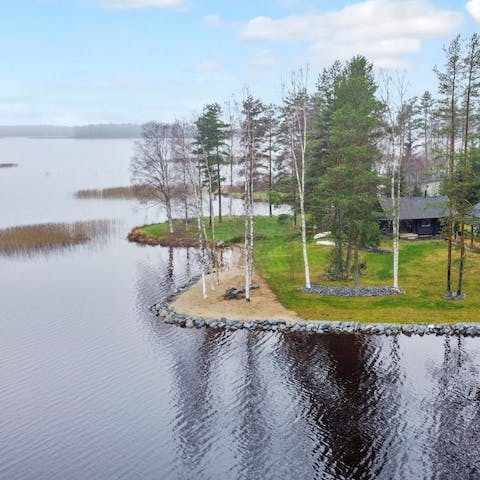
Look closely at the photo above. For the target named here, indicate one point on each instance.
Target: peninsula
(278, 265)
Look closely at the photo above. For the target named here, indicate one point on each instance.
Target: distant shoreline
(53, 137)
(108, 131)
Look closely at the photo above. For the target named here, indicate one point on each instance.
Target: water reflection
(342, 405)
(338, 385)
(455, 409)
(95, 386)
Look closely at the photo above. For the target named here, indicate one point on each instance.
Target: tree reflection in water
(249, 405)
(455, 410)
(348, 388)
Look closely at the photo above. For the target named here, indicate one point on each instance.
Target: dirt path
(264, 305)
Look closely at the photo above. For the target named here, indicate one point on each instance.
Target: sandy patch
(264, 305)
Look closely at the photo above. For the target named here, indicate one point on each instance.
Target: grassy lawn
(422, 274)
(231, 230)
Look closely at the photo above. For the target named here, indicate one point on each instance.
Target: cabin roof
(475, 215)
(418, 208)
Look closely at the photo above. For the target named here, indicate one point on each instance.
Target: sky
(70, 62)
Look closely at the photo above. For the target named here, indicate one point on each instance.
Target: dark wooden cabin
(419, 215)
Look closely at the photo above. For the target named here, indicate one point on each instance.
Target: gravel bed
(351, 291)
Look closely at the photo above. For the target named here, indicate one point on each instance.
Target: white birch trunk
(395, 232)
(251, 220)
(202, 255)
(248, 279)
(304, 244)
(198, 205)
(298, 141)
(300, 177)
(302, 200)
(397, 143)
(168, 206)
(213, 249)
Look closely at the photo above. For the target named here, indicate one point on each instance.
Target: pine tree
(449, 86)
(210, 142)
(349, 186)
(472, 67)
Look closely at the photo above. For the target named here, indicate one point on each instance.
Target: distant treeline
(124, 130)
(127, 130)
(35, 131)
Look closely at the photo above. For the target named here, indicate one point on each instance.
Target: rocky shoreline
(165, 310)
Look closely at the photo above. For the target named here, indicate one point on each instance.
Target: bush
(284, 218)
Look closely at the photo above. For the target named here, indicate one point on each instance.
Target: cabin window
(426, 223)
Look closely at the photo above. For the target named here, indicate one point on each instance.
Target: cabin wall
(429, 226)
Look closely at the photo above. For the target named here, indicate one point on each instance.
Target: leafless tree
(232, 118)
(182, 146)
(193, 182)
(393, 97)
(152, 165)
(252, 135)
(296, 112)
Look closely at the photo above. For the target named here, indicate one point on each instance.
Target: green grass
(278, 258)
(258, 196)
(231, 230)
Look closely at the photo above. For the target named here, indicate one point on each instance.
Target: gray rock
(199, 322)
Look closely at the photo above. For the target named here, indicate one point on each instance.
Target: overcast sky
(88, 61)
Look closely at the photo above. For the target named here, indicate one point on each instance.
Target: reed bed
(8, 165)
(51, 236)
(146, 192)
(126, 193)
(116, 193)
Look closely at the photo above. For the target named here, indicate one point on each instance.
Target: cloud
(264, 59)
(473, 8)
(132, 4)
(386, 31)
(209, 65)
(213, 21)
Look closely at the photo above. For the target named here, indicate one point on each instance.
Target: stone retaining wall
(167, 312)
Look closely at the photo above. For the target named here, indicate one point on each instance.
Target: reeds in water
(50, 236)
(116, 193)
(137, 192)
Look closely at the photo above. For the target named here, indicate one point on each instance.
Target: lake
(92, 386)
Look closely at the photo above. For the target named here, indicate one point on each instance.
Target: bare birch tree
(393, 97)
(231, 113)
(181, 147)
(152, 165)
(296, 111)
(271, 133)
(193, 183)
(252, 134)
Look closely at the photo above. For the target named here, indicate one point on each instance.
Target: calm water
(93, 387)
